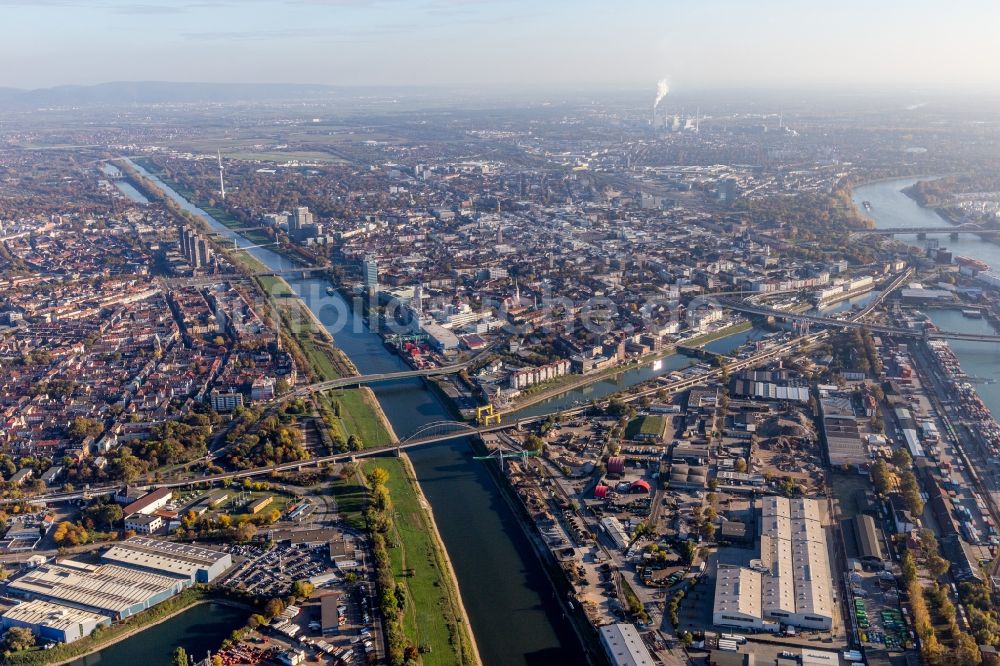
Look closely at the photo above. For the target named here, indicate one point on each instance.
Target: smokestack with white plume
(661, 91)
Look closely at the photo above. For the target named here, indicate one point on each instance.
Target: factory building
(107, 589)
(149, 502)
(840, 431)
(869, 539)
(193, 564)
(624, 645)
(53, 622)
(439, 337)
(791, 581)
(69, 599)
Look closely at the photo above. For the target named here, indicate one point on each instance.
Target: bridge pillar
(921, 236)
(953, 236)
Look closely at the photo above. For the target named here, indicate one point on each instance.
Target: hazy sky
(694, 43)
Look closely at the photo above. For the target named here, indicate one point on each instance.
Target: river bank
(298, 322)
(563, 590)
(704, 339)
(447, 569)
(460, 633)
(574, 382)
(513, 614)
(81, 659)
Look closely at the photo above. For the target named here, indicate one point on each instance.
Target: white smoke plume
(661, 91)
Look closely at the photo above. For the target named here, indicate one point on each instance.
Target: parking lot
(877, 614)
(274, 571)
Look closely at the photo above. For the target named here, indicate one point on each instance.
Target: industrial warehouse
(790, 582)
(69, 599)
(194, 563)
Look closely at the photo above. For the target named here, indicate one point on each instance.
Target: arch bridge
(437, 431)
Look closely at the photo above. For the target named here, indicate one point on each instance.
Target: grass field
(700, 340)
(360, 417)
(351, 497)
(430, 591)
(239, 509)
(648, 426)
(282, 156)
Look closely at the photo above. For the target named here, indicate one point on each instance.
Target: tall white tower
(222, 183)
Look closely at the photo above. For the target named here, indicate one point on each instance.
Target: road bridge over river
(881, 329)
(951, 229)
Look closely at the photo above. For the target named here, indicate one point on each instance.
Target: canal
(513, 611)
(890, 207)
(198, 629)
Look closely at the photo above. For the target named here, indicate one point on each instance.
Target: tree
(303, 589)
(908, 567)
(19, 638)
(881, 477)
(379, 476)
(82, 427)
(910, 490)
(354, 443)
(937, 565)
(740, 465)
(189, 519)
(245, 531)
(901, 459)
(966, 650)
(689, 551)
(534, 443)
(180, 657)
(274, 607)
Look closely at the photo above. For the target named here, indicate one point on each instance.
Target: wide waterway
(890, 207)
(513, 610)
(123, 186)
(198, 629)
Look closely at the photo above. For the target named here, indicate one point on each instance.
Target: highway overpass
(893, 331)
(952, 229)
(362, 380)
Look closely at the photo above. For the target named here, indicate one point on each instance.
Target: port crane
(500, 455)
(485, 414)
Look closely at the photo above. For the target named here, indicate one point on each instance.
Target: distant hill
(158, 92)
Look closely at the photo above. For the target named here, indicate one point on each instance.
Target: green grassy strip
(700, 340)
(351, 498)
(432, 615)
(360, 417)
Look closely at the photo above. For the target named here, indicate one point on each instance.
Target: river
(512, 609)
(892, 208)
(198, 629)
(123, 186)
